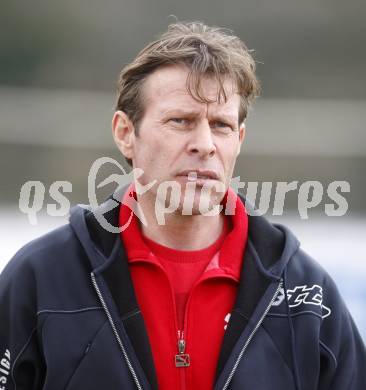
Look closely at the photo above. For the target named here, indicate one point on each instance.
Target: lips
(199, 174)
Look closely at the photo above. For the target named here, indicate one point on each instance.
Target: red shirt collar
(231, 253)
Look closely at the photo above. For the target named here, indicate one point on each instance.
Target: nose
(201, 142)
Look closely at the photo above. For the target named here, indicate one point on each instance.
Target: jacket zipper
(182, 356)
(251, 336)
(182, 359)
(114, 329)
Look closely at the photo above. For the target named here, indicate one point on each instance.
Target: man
(195, 293)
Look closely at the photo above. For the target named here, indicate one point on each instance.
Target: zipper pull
(182, 359)
(181, 346)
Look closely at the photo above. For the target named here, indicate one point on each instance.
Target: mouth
(198, 174)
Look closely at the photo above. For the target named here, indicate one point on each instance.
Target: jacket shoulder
(339, 338)
(41, 250)
(306, 267)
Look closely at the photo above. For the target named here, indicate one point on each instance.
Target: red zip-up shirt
(207, 309)
(184, 268)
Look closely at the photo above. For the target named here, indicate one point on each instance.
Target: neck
(181, 232)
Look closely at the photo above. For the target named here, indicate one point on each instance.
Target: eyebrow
(180, 111)
(226, 117)
(215, 116)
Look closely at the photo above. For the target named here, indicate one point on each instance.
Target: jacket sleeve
(20, 357)
(343, 353)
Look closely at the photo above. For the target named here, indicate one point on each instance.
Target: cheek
(157, 151)
(230, 153)
(152, 158)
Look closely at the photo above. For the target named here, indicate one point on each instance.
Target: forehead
(166, 89)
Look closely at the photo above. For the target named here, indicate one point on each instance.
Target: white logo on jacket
(304, 295)
(4, 369)
(227, 319)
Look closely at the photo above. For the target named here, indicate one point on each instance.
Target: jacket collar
(270, 245)
(269, 248)
(229, 260)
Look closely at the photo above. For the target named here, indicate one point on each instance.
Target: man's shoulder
(44, 251)
(303, 269)
(304, 265)
(307, 279)
(301, 264)
(303, 260)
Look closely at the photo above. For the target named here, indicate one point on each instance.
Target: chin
(198, 204)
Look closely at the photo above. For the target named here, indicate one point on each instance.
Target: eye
(179, 121)
(222, 126)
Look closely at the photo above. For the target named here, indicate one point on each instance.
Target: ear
(123, 133)
(241, 136)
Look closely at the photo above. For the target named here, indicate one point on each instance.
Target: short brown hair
(205, 50)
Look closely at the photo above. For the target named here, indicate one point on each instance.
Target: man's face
(178, 135)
